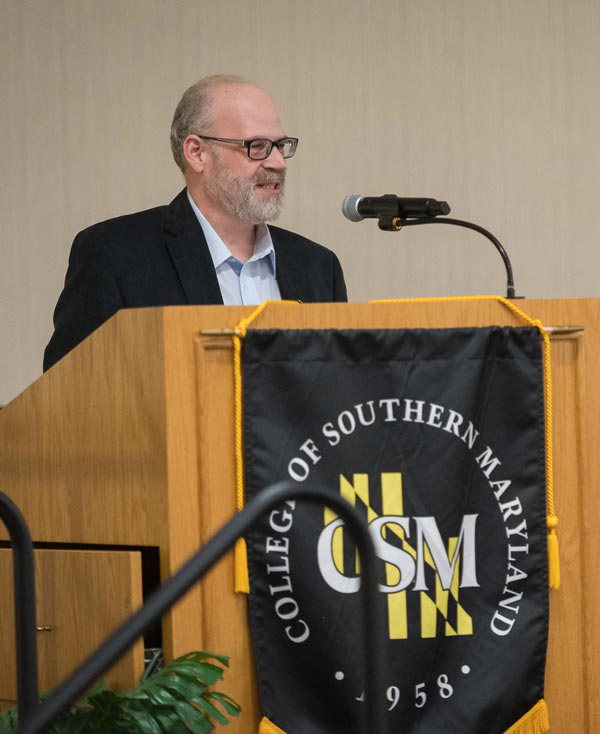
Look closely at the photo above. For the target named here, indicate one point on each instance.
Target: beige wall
(492, 105)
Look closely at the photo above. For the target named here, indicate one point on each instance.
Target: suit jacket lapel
(291, 275)
(187, 246)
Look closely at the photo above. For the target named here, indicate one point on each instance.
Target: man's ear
(194, 151)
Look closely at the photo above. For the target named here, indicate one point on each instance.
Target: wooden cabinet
(81, 596)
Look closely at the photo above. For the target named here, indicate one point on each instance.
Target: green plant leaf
(171, 723)
(198, 656)
(144, 720)
(231, 707)
(175, 700)
(210, 710)
(201, 671)
(184, 688)
(193, 719)
(160, 696)
(9, 721)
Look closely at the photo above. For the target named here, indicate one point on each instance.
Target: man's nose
(275, 160)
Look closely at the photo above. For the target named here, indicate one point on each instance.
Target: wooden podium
(123, 451)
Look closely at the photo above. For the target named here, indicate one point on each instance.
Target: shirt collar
(220, 253)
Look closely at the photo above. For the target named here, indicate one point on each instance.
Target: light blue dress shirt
(242, 284)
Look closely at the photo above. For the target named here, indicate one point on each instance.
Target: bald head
(220, 105)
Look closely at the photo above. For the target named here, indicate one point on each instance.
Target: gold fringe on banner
(535, 721)
(266, 726)
(551, 518)
(240, 552)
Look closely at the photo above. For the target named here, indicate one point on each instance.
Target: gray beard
(239, 197)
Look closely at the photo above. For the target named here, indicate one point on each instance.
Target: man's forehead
(243, 104)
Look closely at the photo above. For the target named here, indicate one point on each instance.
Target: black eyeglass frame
(247, 143)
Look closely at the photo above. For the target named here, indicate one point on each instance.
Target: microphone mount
(395, 224)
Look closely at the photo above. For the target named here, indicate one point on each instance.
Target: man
(211, 245)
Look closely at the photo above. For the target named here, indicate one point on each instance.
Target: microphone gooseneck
(395, 212)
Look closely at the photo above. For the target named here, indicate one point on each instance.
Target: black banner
(437, 436)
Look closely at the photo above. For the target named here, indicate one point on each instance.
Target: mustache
(262, 177)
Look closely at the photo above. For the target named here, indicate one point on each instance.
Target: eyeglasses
(260, 148)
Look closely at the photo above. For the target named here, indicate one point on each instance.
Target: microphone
(396, 212)
(356, 207)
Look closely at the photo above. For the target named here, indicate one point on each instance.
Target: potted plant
(175, 700)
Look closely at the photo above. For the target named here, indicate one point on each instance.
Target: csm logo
(417, 560)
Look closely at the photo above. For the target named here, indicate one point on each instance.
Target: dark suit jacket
(159, 257)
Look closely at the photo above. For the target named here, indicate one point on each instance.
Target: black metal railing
(36, 715)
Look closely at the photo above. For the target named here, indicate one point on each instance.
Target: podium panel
(128, 442)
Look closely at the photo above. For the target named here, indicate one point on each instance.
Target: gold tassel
(240, 561)
(552, 520)
(535, 721)
(241, 580)
(266, 726)
(553, 555)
